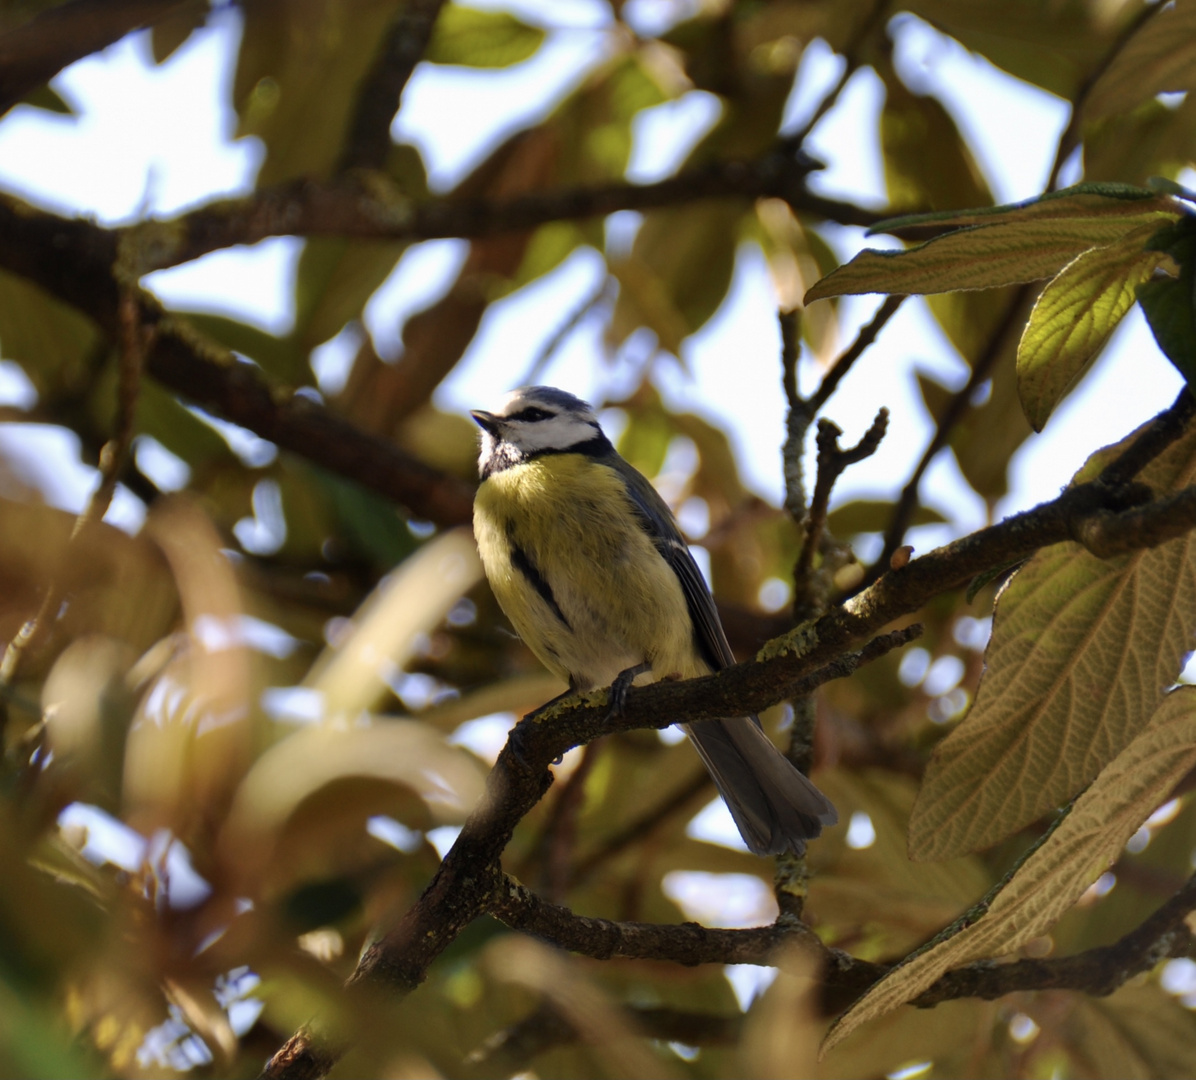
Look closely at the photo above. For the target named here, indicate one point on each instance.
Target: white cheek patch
(559, 433)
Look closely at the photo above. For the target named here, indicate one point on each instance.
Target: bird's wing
(657, 520)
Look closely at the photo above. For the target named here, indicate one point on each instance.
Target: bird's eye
(532, 412)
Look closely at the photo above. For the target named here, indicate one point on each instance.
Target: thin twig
(402, 47)
(113, 456)
(599, 296)
(642, 826)
(866, 336)
(851, 65)
(798, 417)
(907, 503)
(1069, 137)
(831, 462)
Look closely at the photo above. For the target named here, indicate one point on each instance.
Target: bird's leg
(621, 685)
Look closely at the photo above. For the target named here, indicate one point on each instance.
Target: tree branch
(907, 503)
(349, 208)
(78, 263)
(35, 51)
(809, 599)
(368, 142)
(469, 881)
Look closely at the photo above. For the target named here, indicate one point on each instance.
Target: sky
(154, 140)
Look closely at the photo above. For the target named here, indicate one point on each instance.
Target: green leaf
(872, 515)
(1160, 57)
(467, 37)
(927, 163)
(370, 522)
(1074, 317)
(678, 272)
(549, 246)
(983, 440)
(160, 415)
(45, 97)
(1081, 651)
(1167, 302)
(298, 72)
(1025, 243)
(51, 340)
(279, 357)
(1086, 843)
(334, 280)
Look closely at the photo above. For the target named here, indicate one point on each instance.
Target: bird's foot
(622, 686)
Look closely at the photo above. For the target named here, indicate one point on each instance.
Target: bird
(588, 563)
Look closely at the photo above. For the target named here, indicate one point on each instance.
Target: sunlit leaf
(1002, 246)
(1074, 317)
(1053, 878)
(401, 752)
(353, 675)
(1081, 652)
(470, 37)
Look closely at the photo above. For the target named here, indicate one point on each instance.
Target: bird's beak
(487, 421)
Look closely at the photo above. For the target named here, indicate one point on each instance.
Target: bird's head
(536, 420)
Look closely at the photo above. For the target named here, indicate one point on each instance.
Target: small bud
(900, 557)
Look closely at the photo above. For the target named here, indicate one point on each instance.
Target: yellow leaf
(411, 601)
(1074, 317)
(1081, 652)
(1056, 875)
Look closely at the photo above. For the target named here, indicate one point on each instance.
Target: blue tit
(590, 567)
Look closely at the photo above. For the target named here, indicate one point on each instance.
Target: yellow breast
(605, 599)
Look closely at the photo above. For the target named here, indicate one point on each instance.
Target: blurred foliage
(260, 715)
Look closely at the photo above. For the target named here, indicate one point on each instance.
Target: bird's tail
(775, 807)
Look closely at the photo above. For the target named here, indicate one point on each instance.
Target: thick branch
(35, 51)
(347, 208)
(77, 262)
(1098, 971)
